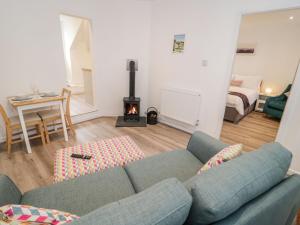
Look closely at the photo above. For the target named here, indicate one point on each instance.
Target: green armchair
(274, 106)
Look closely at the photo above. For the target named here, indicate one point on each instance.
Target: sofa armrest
(9, 192)
(204, 146)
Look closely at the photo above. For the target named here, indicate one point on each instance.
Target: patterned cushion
(224, 155)
(24, 214)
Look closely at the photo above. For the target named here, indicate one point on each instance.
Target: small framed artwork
(178, 46)
(246, 49)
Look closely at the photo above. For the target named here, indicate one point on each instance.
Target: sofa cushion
(165, 203)
(9, 192)
(147, 172)
(83, 194)
(220, 191)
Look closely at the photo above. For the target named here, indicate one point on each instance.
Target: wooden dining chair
(52, 117)
(13, 128)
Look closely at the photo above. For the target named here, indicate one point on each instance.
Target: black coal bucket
(152, 114)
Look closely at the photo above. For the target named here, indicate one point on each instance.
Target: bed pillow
(25, 214)
(236, 83)
(251, 82)
(224, 155)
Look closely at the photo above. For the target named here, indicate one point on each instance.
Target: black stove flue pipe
(132, 80)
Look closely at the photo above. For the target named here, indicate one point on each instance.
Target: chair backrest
(4, 116)
(288, 88)
(67, 94)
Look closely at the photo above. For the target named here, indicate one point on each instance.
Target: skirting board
(177, 124)
(86, 117)
(75, 120)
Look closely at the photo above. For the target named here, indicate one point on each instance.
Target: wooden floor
(252, 131)
(35, 170)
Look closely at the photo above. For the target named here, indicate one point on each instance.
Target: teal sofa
(275, 106)
(165, 190)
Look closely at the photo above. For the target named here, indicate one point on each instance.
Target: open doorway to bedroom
(76, 37)
(264, 69)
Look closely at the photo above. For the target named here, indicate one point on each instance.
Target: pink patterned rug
(105, 154)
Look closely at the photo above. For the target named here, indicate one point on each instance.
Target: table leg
(24, 129)
(63, 121)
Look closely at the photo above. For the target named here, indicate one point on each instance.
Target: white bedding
(236, 102)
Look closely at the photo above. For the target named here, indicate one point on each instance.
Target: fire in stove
(132, 110)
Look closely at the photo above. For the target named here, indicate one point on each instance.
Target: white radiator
(180, 105)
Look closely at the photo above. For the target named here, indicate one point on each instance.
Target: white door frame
(288, 107)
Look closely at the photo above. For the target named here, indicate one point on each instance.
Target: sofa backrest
(278, 206)
(222, 190)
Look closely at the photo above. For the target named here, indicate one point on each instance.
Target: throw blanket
(243, 97)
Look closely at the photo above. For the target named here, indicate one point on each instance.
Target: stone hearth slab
(121, 123)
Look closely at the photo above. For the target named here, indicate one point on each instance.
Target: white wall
(277, 50)
(32, 50)
(211, 34)
(211, 29)
(289, 131)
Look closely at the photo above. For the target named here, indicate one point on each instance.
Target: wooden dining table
(37, 102)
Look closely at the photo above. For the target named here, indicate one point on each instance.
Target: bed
(242, 96)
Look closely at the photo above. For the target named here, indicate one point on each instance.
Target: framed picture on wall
(178, 45)
(246, 49)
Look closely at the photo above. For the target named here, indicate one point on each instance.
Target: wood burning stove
(131, 106)
(131, 103)
(131, 109)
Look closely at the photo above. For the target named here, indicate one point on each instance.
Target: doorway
(76, 37)
(263, 73)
